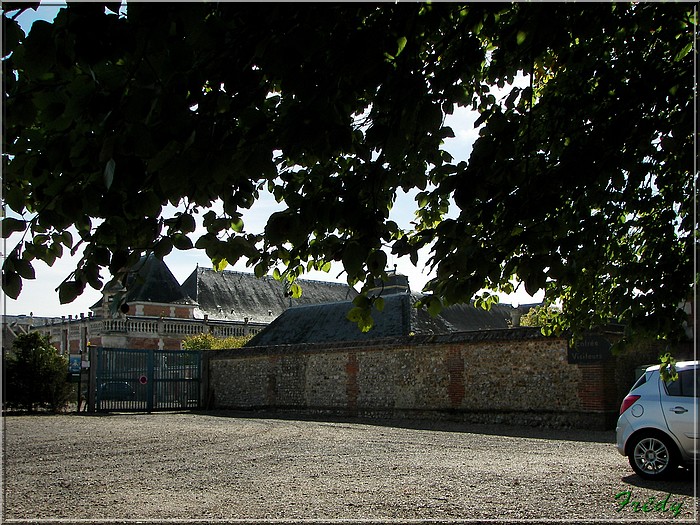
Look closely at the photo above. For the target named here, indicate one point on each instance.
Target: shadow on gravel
(581, 435)
(572, 434)
(681, 483)
(25, 413)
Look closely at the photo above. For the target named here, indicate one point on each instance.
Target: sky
(40, 298)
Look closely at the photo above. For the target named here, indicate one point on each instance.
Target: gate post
(92, 379)
(150, 374)
(204, 356)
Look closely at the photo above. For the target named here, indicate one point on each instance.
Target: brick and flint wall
(502, 376)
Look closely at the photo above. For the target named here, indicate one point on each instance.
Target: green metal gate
(147, 380)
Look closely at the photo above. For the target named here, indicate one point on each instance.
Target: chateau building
(16, 325)
(158, 313)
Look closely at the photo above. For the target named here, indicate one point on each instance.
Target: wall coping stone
(506, 334)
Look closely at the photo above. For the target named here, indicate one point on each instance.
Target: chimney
(515, 314)
(395, 283)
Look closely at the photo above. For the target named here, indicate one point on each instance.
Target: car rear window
(687, 384)
(642, 379)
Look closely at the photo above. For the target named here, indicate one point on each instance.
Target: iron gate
(147, 380)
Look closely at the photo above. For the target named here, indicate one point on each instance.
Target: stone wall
(516, 376)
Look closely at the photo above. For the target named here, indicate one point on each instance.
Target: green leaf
(15, 199)
(295, 290)
(24, 268)
(362, 301)
(423, 198)
(181, 241)
(11, 225)
(361, 317)
(401, 45)
(109, 173)
(379, 304)
(260, 270)
(683, 52)
(353, 258)
(667, 370)
(68, 291)
(237, 225)
(67, 239)
(11, 283)
(92, 275)
(163, 247)
(434, 306)
(277, 229)
(355, 314)
(366, 324)
(219, 265)
(377, 262)
(186, 223)
(535, 281)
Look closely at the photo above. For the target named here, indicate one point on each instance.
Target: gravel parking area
(243, 466)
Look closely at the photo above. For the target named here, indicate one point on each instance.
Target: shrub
(209, 342)
(36, 375)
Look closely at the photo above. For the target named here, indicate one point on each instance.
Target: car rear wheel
(652, 456)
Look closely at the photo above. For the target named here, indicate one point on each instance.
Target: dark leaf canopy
(580, 183)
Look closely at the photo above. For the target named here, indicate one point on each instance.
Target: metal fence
(147, 380)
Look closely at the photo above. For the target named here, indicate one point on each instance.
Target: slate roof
(155, 283)
(327, 323)
(231, 295)
(467, 318)
(151, 281)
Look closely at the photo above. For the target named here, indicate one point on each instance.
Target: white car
(658, 424)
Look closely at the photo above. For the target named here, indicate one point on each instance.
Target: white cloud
(462, 124)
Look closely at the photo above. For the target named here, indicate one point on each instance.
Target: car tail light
(628, 402)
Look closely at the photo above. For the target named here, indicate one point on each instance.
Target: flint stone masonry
(516, 376)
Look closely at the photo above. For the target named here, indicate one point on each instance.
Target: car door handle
(679, 410)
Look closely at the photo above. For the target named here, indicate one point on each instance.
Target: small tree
(547, 317)
(209, 342)
(36, 374)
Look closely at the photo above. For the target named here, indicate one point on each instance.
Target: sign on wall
(74, 363)
(593, 348)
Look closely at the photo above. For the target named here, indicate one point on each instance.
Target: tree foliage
(547, 317)
(209, 342)
(580, 183)
(36, 374)
(667, 370)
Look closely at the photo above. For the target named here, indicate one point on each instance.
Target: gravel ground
(242, 466)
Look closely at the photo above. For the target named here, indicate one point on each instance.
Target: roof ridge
(270, 277)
